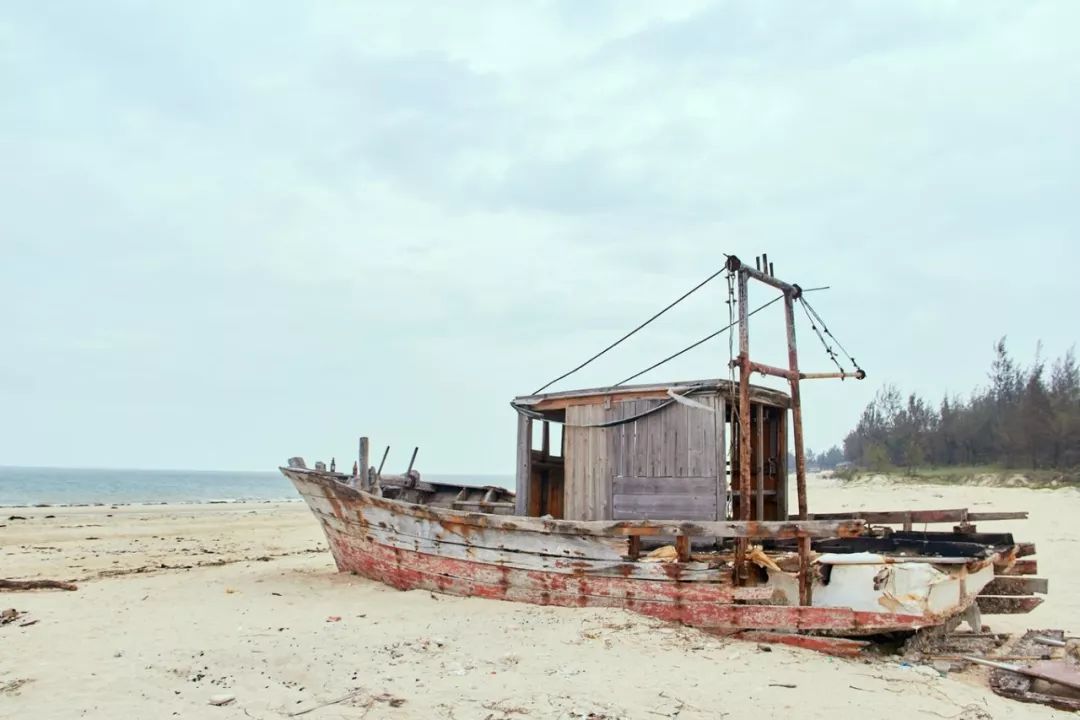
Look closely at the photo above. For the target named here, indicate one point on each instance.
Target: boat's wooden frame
(574, 564)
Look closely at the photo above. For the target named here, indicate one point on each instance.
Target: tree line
(1025, 417)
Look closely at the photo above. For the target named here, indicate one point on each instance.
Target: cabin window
(546, 476)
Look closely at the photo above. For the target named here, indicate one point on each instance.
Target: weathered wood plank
(673, 485)
(1015, 585)
(1006, 604)
(896, 517)
(622, 567)
(682, 511)
(556, 545)
(759, 466)
(1020, 567)
(708, 608)
(655, 393)
(719, 456)
(314, 486)
(524, 461)
(681, 447)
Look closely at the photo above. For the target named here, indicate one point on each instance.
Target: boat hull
(505, 558)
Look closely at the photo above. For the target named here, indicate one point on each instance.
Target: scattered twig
(343, 698)
(783, 685)
(498, 707)
(36, 585)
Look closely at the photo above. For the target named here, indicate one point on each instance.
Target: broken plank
(1015, 585)
(36, 585)
(1007, 604)
(839, 647)
(1020, 567)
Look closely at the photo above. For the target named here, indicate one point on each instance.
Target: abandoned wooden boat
(672, 500)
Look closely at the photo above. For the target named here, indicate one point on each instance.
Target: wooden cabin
(657, 452)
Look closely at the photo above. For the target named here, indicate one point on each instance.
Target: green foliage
(1022, 419)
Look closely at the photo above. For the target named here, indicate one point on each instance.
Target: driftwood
(36, 585)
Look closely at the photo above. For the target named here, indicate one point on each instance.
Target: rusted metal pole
(378, 473)
(412, 461)
(744, 418)
(805, 595)
(857, 375)
(787, 374)
(787, 288)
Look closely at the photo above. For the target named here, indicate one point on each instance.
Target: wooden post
(524, 464)
(365, 463)
(805, 580)
(682, 547)
(742, 544)
(760, 494)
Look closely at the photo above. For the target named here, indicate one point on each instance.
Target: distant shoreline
(152, 503)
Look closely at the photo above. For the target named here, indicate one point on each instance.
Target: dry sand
(255, 617)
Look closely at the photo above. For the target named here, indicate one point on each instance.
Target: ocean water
(22, 486)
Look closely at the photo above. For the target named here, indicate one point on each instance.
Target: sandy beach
(178, 604)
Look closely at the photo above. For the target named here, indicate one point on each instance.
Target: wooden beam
(1021, 567)
(1016, 585)
(682, 547)
(921, 517)
(598, 528)
(759, 489)
(1006, 604)
(600, 396)
(839, 647)
(524, 464)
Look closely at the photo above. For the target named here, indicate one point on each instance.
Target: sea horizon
(29, 486)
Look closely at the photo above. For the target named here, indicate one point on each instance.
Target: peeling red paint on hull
(696, 604)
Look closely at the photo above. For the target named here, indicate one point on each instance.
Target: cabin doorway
(547, 479)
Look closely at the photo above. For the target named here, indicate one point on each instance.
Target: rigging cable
(824, 343)
(639, 327)
(825, 328)
(705, 339)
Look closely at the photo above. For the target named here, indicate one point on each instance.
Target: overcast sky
(235, 232)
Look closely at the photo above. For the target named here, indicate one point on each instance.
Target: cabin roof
(591, 396)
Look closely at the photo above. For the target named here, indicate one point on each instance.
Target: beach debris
(391, 700)
(663, 554)
(758, 557)
(222, 699)
(334, 618)
(36, 585)
(12, 686)
(838, 647)
(16, 517)
(783, 685)
(8, 615)
(1048, 682)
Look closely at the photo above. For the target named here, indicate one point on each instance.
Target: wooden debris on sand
(1055, 682)
(36, 585)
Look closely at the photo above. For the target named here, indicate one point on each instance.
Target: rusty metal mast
(792, 292)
